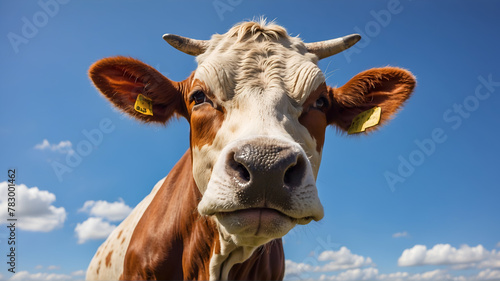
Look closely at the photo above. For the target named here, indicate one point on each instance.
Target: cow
(258, 107)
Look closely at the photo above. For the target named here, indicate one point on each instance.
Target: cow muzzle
(262, 187)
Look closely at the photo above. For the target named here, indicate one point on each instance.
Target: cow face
(258, 108)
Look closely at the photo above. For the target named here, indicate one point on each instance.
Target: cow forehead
(233, 66)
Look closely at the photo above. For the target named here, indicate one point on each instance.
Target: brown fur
(205, 119)
(313, 119)
(387, 87)
(122, 79)
(108, 259)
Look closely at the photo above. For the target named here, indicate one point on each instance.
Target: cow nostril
(294, 174)
(243, 172)
(237, 169)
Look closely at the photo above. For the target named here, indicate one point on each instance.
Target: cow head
(258, 108)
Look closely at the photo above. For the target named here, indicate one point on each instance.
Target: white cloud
(98, 226)
(53, 267)
(434, 275)
(342, 259)
(93, 228)
(396, 276)
(400, 234)
(65, 147)
(489, 274)
(78, 273)
(498, 245)
(413, 256)
(445, 254)
(38, 267)
(462, 266)
(465, 257)
(493, 260)
(113, 211)
(297, 268)
(26, 276)
(370, 273)
(34, 208)
(337, 260)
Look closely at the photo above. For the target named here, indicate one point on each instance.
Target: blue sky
(440, 219)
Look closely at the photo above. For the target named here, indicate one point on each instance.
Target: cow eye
(198, 97)
(321, 103)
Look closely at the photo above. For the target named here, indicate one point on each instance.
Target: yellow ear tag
(144, 105)
(364, 120)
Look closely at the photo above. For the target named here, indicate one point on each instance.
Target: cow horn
(186, 45)
(324, 49)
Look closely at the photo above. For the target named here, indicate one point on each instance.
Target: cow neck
(171, 236)
(266, 262)
(222, 261)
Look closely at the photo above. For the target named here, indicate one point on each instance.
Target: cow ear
(122, 79)
(387, 88)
